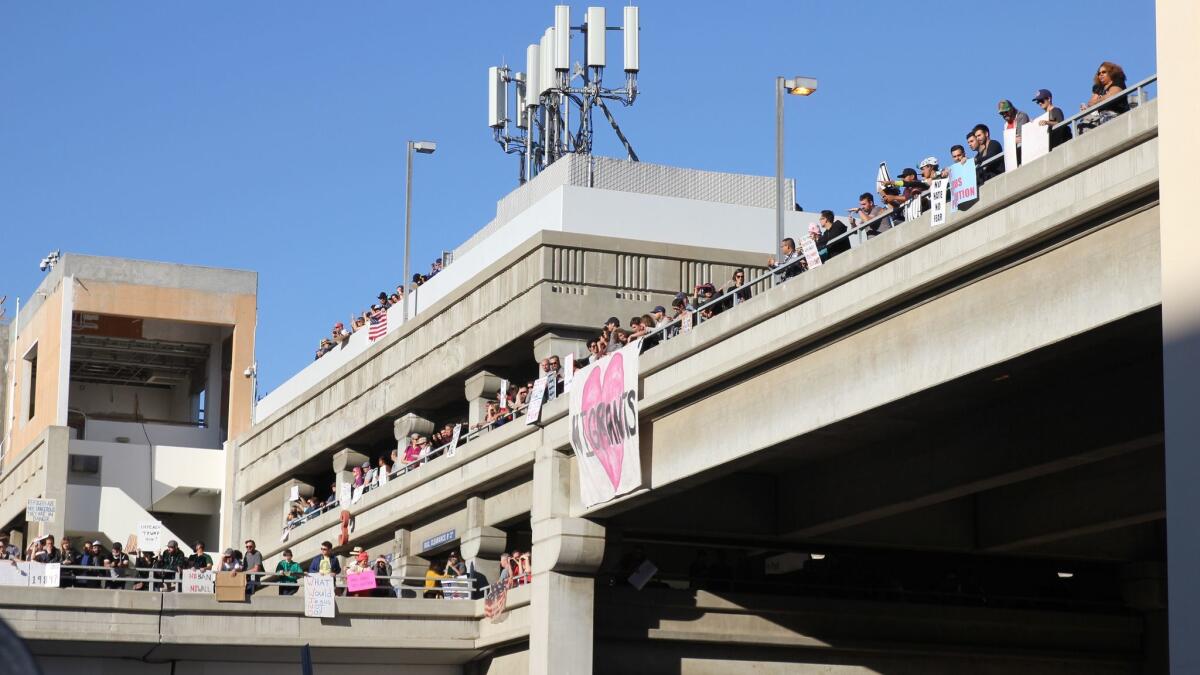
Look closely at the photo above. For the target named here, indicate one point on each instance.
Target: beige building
(123, 381)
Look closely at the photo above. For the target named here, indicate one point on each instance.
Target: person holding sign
(361, 563)
(1045, 100)
(7, 550)
(200, 560)
(288, 571)
(117, 563)
(787, 267)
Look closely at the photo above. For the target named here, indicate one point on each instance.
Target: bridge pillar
(405, 426)
(558, 344)
(479, 389)
(344, 461)
(566, 554)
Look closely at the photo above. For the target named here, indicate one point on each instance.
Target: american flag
(378, 324)
(494, 601)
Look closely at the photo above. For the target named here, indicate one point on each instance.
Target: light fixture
(1065, 575)
(800, 86)
(425, 147)
(49, 261)
(817, 556)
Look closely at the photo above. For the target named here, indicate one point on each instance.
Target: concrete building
(123, 381)
(941, 452)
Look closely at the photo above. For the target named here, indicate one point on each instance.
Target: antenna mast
(537, 127)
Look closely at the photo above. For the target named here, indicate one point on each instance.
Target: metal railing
(1138, 91)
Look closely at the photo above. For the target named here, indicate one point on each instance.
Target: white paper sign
(568, 362)
(383, 476)
(454, 440)
(535, 401)
(1035, 139)
(149, 536)
(504, 395)
(318, 596)
(812, 257)
(40, 510)
(345, 492)
(685, 323)
(551, 386)
(294, 493)
(356, 494)
(13, 573)
(1010, 149)
(604, 426)
(912, 209)
(44, 575)
(937, 203)
(198, 581)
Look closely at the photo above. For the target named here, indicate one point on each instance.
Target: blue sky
(270, 135)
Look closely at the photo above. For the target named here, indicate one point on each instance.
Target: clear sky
(270, 135)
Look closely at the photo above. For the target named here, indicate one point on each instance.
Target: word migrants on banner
(604, 426)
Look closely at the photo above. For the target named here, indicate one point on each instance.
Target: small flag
(494, 601)
(378, 325)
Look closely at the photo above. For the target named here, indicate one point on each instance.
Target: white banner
(1035, 139)
(40, 510)
(345, 492)
(568, 362)
(1010, 149)
(604, 426)
(45, 575)
(149, 536)
(504, 395)
(454, 440)
(13, 573)
(937, 203)
(318, 596)
(199, 581)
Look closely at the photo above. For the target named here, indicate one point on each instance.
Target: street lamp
(797, 86)
(425, 148)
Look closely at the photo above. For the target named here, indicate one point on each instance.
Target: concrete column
(404, 563)
(479, 389)
(559, 344)
(1178, 146)
(344, 461)
(407, 425)
(566, 554)
(480, 544)
(58, 441)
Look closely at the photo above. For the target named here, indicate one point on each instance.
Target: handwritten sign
(568, 362)
(504, 395)
(604, 427)
(811, 255)
(1035, 139)
(937, 203)
(535, 401)
(149, 536)
(1010, 149)
(437, 540)
(40, 510)
(685, 323)
(454, 440)
(360, 581)
(318, 597)
(198, 581)
(44, 575)
(964, 184)
(13, 573)
(294, 493)
(345, 491)
(551, 386)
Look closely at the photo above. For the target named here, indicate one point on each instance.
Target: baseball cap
(97, 543)
(172, 544)
(356, 550)
(1004, 106)
(339, 325)
(928, 161)
(1041, 95)
(228, 551)
(908, 171)
(660, 308)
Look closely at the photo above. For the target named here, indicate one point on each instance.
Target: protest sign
(454, 440)
(912, 209)
(937, 203)
(198, 581)
(685, 323)
(231, 587)
(504, 395)
(812, 257)
(44, 575)
(356, 494)
(40, 510)
(13, 573)
(318, 596)
(1035, 139)
(149, 536)
(568, 362)
(964, 184)
(360, 581)
(604, 426)
(345, 492)
(643, 574)
(294, 493)
(1010, 149)
(535, 401)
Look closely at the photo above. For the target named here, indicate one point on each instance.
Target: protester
(786, 269)
(988, 150)
(1045, 100)
(288, 572)
(199, 560)
(1107, 85)
(910, 188)
(325, 563)
(252, 561)
(383, 585)
(868, 212)
(68, 556)
(831, 230)
(229, 563)
(360, 561)
(1013, 118)
(972, 142)
(7, 550)
(45, 551)
(93, 556)
(117, 563)
(433, 579)
(172, 561)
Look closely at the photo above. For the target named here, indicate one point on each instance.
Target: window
(29, 378)
(83, 469)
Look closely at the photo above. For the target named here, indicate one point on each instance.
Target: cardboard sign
(964, 183)
(535, 401)
(45, 575)
(1010, 149)
(360, 581)
(40, 510)
(937, 203)
(198, 581)
(294, 493)
(568, 362)
(551, 386)
(912, 209)
(812, 256)
(318, 596)
(1035, 139)
(231, 587)
(604, 426)
(149, 536)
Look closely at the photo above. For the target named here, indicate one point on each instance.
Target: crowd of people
(341, 332)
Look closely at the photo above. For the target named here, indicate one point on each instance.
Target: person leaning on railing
(988, 162)
(868, 212)
(172, 561)
(1107, 88)
(289, 572)
(68, 556)
(831, 242)
(787, 266)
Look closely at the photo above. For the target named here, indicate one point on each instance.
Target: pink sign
(604, 426)
(360, 581)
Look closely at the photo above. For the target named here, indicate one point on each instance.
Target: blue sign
(438, 540)
(964, 186)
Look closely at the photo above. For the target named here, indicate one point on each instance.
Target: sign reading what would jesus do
(604, 426)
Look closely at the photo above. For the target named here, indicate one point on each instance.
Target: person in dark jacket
(831, 229)
(988, 149)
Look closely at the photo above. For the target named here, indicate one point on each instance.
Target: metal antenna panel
(546, 112)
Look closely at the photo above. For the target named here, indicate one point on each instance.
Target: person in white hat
(929, 169)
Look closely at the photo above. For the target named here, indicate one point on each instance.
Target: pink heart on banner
(605, 389)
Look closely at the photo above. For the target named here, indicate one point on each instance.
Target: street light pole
(779, 91)
(407, 231)
(425, 148)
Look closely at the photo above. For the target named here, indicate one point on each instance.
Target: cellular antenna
(549, 113)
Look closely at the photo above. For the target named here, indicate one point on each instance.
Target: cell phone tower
(538, 124)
